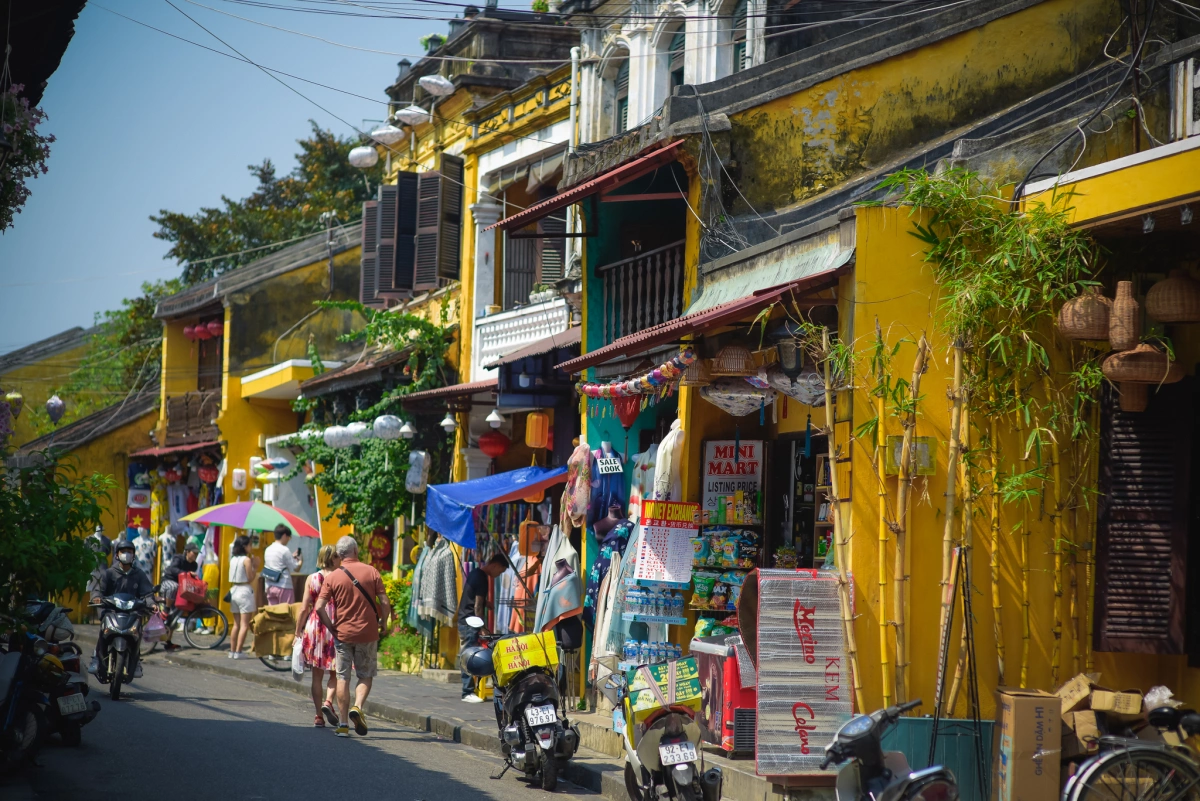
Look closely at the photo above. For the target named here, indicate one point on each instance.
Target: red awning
(695, 323)
(609, 180)
(194, 446)
(453, 391)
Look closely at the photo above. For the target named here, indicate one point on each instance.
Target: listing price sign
(666, 550)
(731, 466)
(804, 682)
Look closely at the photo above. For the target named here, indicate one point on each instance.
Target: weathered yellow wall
(801, 145)
(37, 382)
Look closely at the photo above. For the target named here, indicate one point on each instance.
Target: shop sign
(138, 499)
(804, 684)
(666, 551)
(609, 465)
(730, 466)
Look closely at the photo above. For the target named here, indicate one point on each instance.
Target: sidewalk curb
(605, 777)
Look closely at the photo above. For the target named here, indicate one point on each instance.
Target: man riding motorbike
(123, 578)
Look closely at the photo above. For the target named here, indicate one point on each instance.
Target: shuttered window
(553, 249)
(453, 173)
(387, 211)
(429, 202)
(623, 95)
(739, 36)
(439, 225)
(406, 231)
(1142, 531)
(675, 53)
(369, 275)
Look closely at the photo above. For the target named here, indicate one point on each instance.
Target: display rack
(670, 621)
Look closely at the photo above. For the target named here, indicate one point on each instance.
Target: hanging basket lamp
(1125, 321)
(1175, 299)
(1086, 316)
(1136, 370)
(697, 375)
(733, 361)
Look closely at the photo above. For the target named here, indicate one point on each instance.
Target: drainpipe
(572, 142)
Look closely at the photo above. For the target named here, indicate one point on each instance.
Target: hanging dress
(613, 543)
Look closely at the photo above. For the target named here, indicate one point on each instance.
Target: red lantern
(208, 473)
(201, 332)
(189, 331)
(215, 328)
(628, 408)
(493, 444)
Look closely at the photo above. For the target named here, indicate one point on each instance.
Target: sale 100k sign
(804, 684)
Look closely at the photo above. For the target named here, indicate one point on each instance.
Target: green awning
(742, 274)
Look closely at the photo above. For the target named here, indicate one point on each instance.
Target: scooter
(121, 621)
(536, 737)
(61, 678)
(51, 620)
(872, 775)
(22, 721)
(664, 760)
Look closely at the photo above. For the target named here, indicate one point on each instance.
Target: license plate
(70, 704)
(541, 715)
(677, 753)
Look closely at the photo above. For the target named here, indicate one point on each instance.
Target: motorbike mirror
(475, 622)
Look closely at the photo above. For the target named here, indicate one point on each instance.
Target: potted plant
(432, 41)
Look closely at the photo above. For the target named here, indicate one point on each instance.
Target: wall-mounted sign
(666, 550)
(804, 684)
(732, 472)
(922, 448)
(608, 465)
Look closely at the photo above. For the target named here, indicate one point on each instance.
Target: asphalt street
(185, 734)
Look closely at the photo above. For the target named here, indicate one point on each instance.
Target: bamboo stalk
(1073, 603)
(1056, 652)
(967, 540)
(1089, 559)
(880, 454)
(953, 447)
(903, 489)
(839, 536)
(994, 563)
(1025, 633)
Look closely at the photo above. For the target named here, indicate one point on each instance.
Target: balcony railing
(190, 417)
(642, 291)
(500, 334)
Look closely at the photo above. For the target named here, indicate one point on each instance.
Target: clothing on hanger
(439, 593)
(612, 544)
(642, 484)
(607, 489)
(560, 588)
(667, 468)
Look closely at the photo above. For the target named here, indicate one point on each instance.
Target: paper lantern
(208, 474)
(358, 432)
(808, 387)
(436, 85)
(736, 397)
(412, 115)
(55, 408)
(189, 331)
(387, 135)
(364, 157)
(215, 328)
(16, 402)
(628, 408)
(201, 332)
(493, 444)
(417, 478)
(537, 429)
(387, 427)
(335, 437)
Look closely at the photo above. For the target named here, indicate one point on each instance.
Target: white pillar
(485, 213)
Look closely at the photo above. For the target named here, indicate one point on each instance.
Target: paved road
(185, 734)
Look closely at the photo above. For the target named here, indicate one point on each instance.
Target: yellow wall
(37, 382)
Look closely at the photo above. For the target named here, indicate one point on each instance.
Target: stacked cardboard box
(1090, 711)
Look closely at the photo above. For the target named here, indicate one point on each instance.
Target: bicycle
(1141, 770)
(205, 627)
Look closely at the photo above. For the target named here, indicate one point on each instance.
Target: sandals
(319, 722)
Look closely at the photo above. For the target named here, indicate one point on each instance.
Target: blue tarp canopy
(448, 507)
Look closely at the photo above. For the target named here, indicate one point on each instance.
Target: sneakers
(172, 647)
(472, 699)
(330, 714)
(94, 666)
(359, 720)
(137, 670)
(342, 730)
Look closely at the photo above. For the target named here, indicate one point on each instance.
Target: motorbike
(663, 758)
(872, 775)
(51, 620)
(65, 686)
(117, 649)
(536, 737)
(22, 720)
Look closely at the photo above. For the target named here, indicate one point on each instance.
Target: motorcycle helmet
(477, 661)
(124, 551)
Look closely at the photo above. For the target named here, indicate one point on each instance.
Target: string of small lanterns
(655, 382)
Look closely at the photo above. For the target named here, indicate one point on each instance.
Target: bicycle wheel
(280, 663)
(147, 648)
(1131, 774)
(206, 628)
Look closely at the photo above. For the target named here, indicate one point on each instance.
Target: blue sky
(145, 122)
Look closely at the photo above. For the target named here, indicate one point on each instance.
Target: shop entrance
(800, 530)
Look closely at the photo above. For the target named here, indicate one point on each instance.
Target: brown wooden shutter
(429, 203)
(1141, 536)
(385, 251)
(450, 230)
(368, 285)
(520, 271)
(406, 231)
(553, 249)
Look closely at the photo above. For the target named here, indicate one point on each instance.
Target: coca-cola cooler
(729, 698)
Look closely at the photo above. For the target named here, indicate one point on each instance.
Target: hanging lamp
(733, 361)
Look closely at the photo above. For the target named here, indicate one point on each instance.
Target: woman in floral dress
(316, 640)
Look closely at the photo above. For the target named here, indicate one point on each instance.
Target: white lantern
(407, 431)
(358, 431)
(436, 85)
(335, 437)
(495, 419)
(387, 427)
(412, 115)
(364, 157)
(448, 423)
(387, 135)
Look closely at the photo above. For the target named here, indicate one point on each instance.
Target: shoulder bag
(370, 600)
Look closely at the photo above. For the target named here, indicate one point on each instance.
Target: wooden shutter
(520, 271)
(406, 231)
(368, 284)
(1141, 536)
(429, 203)
(553, 249)
(450, 229)
(385, 251)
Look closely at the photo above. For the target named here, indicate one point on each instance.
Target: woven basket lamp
(697, 375)
(1136, 370)
(1125, 319)
(1085, 316)
(1175, 299)
(734, 361)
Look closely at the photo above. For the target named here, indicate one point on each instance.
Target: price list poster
(666, 549)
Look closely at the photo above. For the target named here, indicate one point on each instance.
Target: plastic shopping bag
(298, 659)
(155, 628)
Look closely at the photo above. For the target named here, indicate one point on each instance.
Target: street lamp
(407, 431)
(495, 419)
(448, 423)
(524, 380)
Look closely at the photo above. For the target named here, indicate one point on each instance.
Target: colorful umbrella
(252, 515)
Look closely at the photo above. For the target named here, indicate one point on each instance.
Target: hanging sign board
(609, 465)
(804, 683)
(732, 472)
(666, 551)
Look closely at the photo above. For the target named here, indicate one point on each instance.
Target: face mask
(125, 558)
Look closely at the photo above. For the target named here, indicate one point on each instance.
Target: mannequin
(606, 524)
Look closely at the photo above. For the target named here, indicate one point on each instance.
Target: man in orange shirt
(362, 609)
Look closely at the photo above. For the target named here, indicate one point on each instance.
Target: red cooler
(728, 687)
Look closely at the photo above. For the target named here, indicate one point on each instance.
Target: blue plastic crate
(955, 748)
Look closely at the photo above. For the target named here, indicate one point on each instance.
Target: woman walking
(316, 641)
(241, 596)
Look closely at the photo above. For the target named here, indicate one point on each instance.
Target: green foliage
(432, 41)
(45, 510)
(399, 593)
(278, 209)
(403, 642)
(540, 6)
(19, 123)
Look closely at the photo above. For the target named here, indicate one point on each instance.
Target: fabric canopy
(449, 506)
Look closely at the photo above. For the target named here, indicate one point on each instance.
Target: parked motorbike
(663, 758)
(872, 775)
(62, 680)
(50, 620)
(22, 721)
(118, 660)
(536, 737)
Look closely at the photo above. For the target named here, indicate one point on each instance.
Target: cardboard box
(1075, 693)
(512, 655)
(1123, 705)
(1081, 733)
(1029, 727)
(643, 700)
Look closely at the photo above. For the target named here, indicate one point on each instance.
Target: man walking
(356, 591)
(278, 564)
(474, 602)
